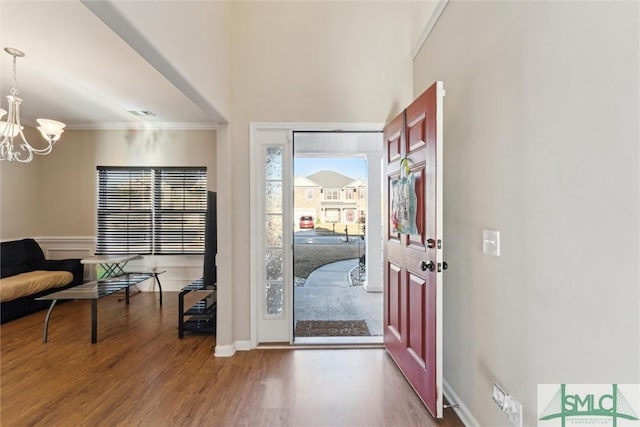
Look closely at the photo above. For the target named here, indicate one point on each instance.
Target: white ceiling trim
(442, 4)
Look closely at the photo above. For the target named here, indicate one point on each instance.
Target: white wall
(307, 62)
(541, 143)
(200, 53)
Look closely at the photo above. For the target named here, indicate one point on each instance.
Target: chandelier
(12, 127)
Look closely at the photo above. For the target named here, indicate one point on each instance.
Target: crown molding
(143, 126)
(442, 4)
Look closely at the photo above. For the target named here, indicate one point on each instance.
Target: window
(332, 195)
(310, 194)
(150, 210)
(348, 193)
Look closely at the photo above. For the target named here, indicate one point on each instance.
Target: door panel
(391, 236)
(416, 127)
(413, 311)
(392, 139)
(417, 241)
(415, 314)
(394, 292)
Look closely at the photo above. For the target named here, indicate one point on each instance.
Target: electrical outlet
(513, 409)
(508, 404)
(498, 396)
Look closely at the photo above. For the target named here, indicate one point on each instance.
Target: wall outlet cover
(513, 409)
(499, 396)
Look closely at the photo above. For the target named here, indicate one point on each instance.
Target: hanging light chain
(14, 90)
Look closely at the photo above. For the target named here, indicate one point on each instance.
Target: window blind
(151, 210)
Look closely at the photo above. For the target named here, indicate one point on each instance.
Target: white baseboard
(227, 350)
(462, 410)
(243, 345)
(230, 349)
(368, 287)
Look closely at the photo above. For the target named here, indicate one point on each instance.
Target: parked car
(306, 222)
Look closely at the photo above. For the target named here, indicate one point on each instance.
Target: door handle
(431, 243)
(427, 266)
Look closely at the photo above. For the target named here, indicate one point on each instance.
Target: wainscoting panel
(69, 247)
(180, 269)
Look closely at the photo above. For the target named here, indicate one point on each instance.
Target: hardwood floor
(140, 373)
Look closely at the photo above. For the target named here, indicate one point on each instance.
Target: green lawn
(308, 257)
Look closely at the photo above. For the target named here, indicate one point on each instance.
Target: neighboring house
(330, 197)
(306, 194)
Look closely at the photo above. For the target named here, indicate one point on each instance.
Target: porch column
(374, 224)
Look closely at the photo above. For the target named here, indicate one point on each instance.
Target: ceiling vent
(142, 113)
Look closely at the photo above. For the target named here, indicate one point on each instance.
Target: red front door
(413, 257)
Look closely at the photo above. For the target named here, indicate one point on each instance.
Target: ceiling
(80, 68)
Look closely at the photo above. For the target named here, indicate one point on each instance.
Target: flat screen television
(210, 241)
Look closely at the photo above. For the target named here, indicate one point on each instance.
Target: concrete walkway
(333, 274)
(327, 294)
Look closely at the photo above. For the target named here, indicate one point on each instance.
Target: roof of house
(330, 179)
(357, 183)
(301, 181)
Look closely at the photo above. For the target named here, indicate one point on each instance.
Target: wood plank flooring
(139, 373)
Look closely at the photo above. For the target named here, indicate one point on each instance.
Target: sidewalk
(335, 274)
(327, 294)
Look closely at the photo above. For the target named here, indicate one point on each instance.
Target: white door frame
(261, 134)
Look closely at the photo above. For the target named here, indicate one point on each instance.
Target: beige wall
(422, 12)
(308, 62)
(20, 195)
(56, 194)
(541, 143)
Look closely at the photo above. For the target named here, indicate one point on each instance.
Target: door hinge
(439, 243)
(442, 266)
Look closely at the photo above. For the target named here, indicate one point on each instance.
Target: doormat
(332, 328)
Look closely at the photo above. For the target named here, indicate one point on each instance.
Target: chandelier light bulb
(50, 129)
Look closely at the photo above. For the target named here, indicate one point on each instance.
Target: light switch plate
(491, 242)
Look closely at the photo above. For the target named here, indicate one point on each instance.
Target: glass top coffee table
(95, 290)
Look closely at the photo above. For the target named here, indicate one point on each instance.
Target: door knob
(427, 266)
(431, 243)
(445, 265)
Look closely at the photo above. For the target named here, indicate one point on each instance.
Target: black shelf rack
(197, 305)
